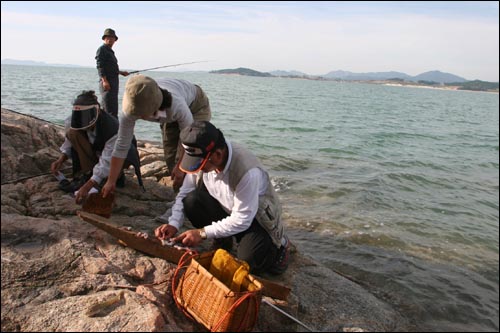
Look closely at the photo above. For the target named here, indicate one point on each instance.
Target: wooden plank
(151, 246)
(154, 247)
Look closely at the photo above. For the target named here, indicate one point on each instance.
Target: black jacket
(106, 128)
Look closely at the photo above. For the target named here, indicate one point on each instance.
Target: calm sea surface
(396, 187)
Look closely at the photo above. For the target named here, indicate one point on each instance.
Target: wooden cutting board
(96, 204)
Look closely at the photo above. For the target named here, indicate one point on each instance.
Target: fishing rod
(266, 301)
(185, 63)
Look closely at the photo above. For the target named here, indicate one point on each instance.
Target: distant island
(34, 63)
(432, 79)
(242, 71)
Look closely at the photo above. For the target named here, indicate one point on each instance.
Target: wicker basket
(210, 302)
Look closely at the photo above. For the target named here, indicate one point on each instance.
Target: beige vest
(269, 212)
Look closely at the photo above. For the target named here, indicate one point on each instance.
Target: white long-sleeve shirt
(241, 205)
(183, 94)
(101, 169)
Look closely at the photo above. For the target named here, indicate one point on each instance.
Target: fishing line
(174, 65)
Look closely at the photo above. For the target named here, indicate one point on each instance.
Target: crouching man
(227, 193)
(90, 138)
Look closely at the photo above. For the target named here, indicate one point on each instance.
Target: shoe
(64, 185)
(225, 243)
(74, 185)
(120, 182)
(79, 182)
(281, 263)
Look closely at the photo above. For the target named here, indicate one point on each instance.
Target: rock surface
(60, 273)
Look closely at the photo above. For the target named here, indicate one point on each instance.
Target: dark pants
(110, 97)
(254, 244)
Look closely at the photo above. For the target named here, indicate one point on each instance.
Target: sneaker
(225, 243)
(281, 262)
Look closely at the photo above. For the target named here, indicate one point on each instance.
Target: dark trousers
(110, 97)
(254, 244)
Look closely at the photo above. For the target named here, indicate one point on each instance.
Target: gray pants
(200, 108)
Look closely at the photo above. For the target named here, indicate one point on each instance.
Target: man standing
(107, 67)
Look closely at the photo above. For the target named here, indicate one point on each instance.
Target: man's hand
(165, 231)
(124, 73)
(56, 166)
(84, 191)
(109, 187)
(105, 85)
(189, 238)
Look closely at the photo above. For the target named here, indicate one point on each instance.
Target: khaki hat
(142, 96)
(109, 32)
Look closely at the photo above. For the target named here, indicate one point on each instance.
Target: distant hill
(241, 71)
(350, 76)
(432, 76)
(438, 76)
(287, 73)
(34, 63)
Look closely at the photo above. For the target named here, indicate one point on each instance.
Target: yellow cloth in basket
(230, 271)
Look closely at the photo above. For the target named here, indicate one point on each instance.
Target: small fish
(142, 234)
(167, 242)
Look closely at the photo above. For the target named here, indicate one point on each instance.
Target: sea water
(395, 187)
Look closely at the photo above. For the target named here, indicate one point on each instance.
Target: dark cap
(109, 32)
(198, 140)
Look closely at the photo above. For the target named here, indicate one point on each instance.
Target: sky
(315, 38)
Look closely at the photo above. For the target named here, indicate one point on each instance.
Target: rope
(31, 116)
(29, 177)
(287, 314)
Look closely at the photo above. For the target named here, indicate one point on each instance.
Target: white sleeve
(101, 169)
(182, 115)
(125, 135)
(177, 217)
(66, 146)
(245, 206)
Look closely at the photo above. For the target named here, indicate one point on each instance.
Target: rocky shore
(56, 268)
